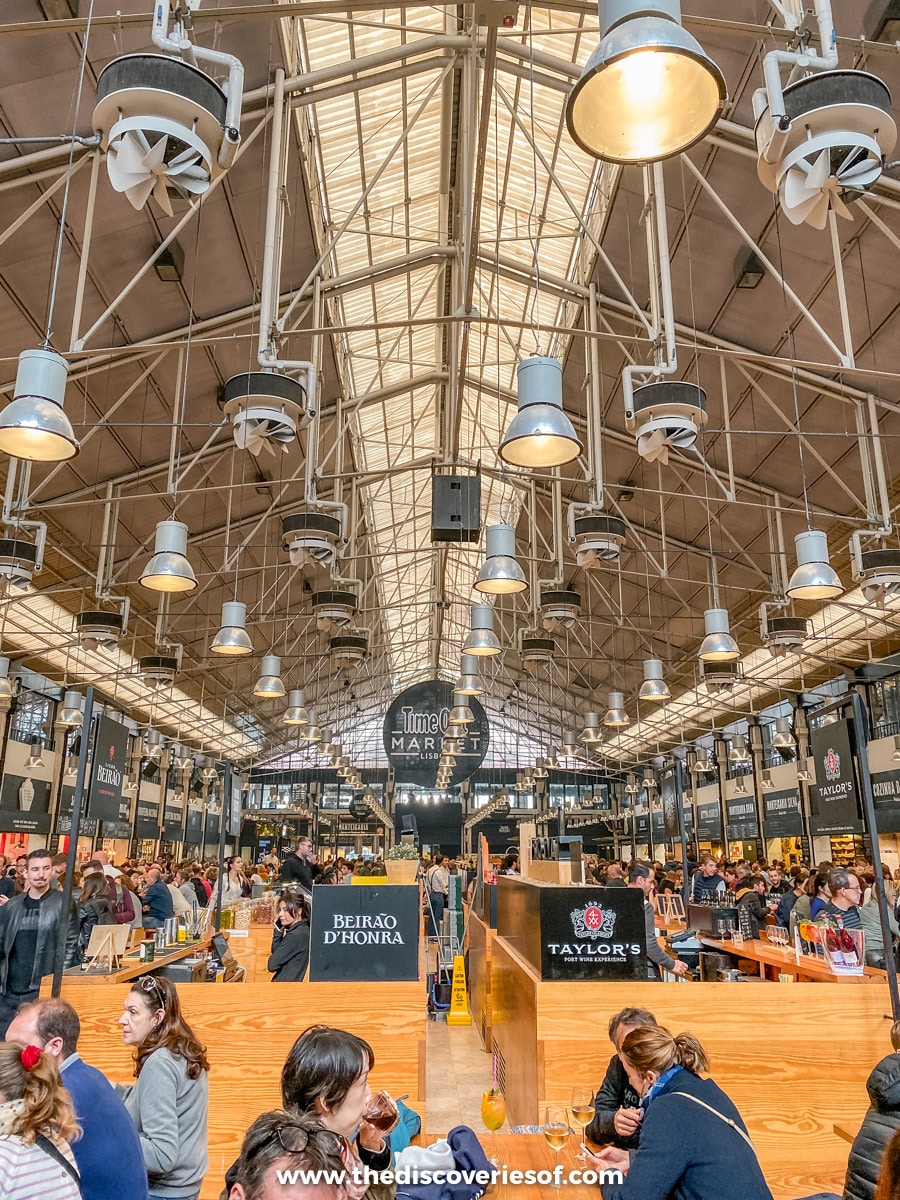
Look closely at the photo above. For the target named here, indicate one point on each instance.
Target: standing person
(29, 929)
(109, 870)
(235, 885)
(37, 1124)
(846, 894)
(640, 877)
(94, 908)
(707, 883)
(170, 1099)
(297, 866)
(778, 885)
(694, 1144)
(617, 1106)
(7, 884)
(615, 876)
(108, 1153)
(879, 1126)
(290, 940)
(752, 906)
(437, 889)
(157, 906)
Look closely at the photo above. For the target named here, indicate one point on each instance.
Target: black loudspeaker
(408, 824)
(455, 508)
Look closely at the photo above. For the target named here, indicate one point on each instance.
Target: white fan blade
(653, 446)
(161, 195)
(138, 193)
(129, 154)
(793, 190)
(154, 158)
(818, 173)
(190, 186)
(861, 176)
(837, 203)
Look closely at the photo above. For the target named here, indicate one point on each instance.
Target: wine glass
(556, 1129)
(582, 1112)
(493, 1109)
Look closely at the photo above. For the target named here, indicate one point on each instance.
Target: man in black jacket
(29, 929)
(297, 866)
(751, 906)
(617, 1106)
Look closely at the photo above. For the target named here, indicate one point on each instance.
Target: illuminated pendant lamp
(460, 713)
(482, 641)
(468, 683)
(34, 426)
(295, 713)
(616, 716)
(540, 434)
(718, 645)
(232, 638)
(654, 686)
(815, 578)
(500, 574)
(592, 732)
(649, 90)
(270, 685)
(169, 570)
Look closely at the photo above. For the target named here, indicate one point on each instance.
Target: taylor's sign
(107, 771)
(597, 934)
(833, 799)
(364, 934)
(414, 730)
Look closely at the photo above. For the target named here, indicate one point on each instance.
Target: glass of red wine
(382, 1113)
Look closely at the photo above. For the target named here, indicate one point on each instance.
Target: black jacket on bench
(880, 1124)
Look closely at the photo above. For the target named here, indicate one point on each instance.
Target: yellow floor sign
(459, 1004)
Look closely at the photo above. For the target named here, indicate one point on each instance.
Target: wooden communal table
(762, 952)
(132, 967)
(529, 1152)
(849, 1135)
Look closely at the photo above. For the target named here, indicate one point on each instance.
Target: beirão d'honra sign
(414, 729)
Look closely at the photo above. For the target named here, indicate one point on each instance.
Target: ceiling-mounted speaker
(265, 409)
(98, 630)
(455, 508)
(785, 635)
(666, 415)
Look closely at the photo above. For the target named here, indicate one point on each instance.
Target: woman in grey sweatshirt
(170, 1099)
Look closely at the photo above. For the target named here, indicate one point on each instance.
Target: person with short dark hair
(108, 1153)
(707, 884)
(752, 906)
(281, 1141)
(289, 957)
(640, 877)
(615, 876)
(617, 1106)
(297, 866)
(94, 909)
(846, 896)
(510, 865)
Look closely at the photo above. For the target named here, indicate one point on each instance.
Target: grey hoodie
(881, 1123)
(169, 1110)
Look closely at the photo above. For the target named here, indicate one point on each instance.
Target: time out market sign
(414, 729)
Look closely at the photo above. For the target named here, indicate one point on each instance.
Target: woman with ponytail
(37, 1123)
(693, 1143)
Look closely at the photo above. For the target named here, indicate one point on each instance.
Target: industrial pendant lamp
(592, 732)
(71, 713)
(569, 745)
(34, 758)
(718, 645)
(232, 638)
(270, 685)
(654, 686)
(540, 434)
(551, 762)
(616, 716)
(460, 713)
(649, 90)
(295, 713)
(783, 739)
(482, 641)
(468, 683)
(6, 686)
(34, 426)
(815, 578)
(312, 733)
(169, 570)
(500, 574)
(738, 755)
(540, 769)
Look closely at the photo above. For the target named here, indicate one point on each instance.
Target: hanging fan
(666, 415)
(823, 174)
(145, 162)
(262, 429)
(266, 409)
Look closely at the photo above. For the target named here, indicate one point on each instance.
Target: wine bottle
(833, 946)
(848, 948)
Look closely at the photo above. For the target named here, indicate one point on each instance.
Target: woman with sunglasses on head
(169, 1101)
(37, 1123)
(326, 1077)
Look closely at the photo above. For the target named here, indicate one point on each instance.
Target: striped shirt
(27, 1173)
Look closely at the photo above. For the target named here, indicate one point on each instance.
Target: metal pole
(77, 803)
(220, 882)
(859, 735)
(682, 831)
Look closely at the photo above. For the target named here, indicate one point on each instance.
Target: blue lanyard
(653, 1091)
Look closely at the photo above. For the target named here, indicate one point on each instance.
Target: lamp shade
(718, 645)
(616, 716)
(482, 641)
(654, 686)
(295, 713)
(169, 570)
(71, 709)
(312, 733)
(738, 753)
(6, 686)
(34, 426)
(540, 434)
(815, 578)
(592, 731)
(34, 758)
(569, 745)
(649, 90)
(783, 738)
(500, 574)
(232, 638)
(469, 684)
(460, 713)
(270, 685)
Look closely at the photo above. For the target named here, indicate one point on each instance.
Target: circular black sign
(414, 729)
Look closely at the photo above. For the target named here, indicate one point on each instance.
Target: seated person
(278, 1141)
(617, 1106)
(879, 1126)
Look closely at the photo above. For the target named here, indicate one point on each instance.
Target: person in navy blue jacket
(108, 1153)
(694, 1144)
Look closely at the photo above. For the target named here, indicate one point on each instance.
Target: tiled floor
(457, 1072)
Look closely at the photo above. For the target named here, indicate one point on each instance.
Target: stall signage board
(742, 825)
(212, 827)
(173, 820)
(366, 934)
(709, 821)
(642, 828)
(886, 790)
(87, 828)
(233, 828)
(667, 794)
(107, 770)
(146, 819)
(833, 799)
(24, 805)
(414, 729)
(782, 817)
(593, 933)
(193, 829)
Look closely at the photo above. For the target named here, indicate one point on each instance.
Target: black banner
(642, 829)
(146, 819)
(87, 828)
(24, 805)
(233, 828)
(782, 814)
(742, 824)
(414, 729)
(833, 799)
(886, 790)
(116, 829)
(364, 934)
(107, 771)
(173, 823)
(709, 821)
(659, 828)
(596, 934)
(211, 828)
(669, 804)
(193, 828)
